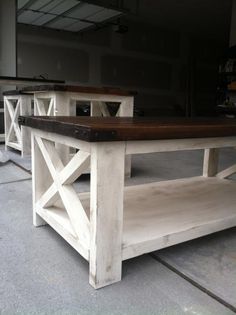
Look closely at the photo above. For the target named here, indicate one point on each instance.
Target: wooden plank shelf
(175, 211)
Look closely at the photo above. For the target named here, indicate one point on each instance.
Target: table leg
(210, 164)
(25, 110)
(7, 122)
(106, 218)
(127, 110)
(64, 107)
(40, 179)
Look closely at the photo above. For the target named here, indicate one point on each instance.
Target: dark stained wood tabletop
(78, 89)
(15, 92)
(94, 129)
(6, 80)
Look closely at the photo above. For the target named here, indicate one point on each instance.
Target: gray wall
(233, 25)
(160, 64)
(7, 47)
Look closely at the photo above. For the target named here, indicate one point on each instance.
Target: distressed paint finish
(17, 137)
(112, 223)
(106, 218)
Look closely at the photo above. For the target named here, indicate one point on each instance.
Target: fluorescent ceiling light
(60, 7)
(38, 5)
(61, 23)
(69, 15)
(84, 10)
(78, 26)
(28, 17)
(43, 19)
(103, 15)
(21, 3)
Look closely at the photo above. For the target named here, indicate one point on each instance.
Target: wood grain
(95, 129)
(6, 80)
(79, 89)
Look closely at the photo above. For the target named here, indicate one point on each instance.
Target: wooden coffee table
(112, 222)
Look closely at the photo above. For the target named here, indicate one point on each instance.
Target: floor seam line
(20, 166)
(16, 181)
(194, 283)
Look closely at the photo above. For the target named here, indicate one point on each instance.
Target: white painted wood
(72, 142)
(50, 110)
(127, 110)
(73, 107)
(106, 218)
(59, 221)
(104, 110)
(49, 198)
(7, 121)
(62, 104)
(25, 110)
(227, 172)
(41, 179)
(40, 107)
(14, 129)
(95, 109)
(15, 136)
(96, 97)
(14, 145)
(125, 223)
(70, 200)
(126, 107)
(78, 165)
(176, 211)
(141, 147)
(210, 162)
(158, 215)
(63, 108)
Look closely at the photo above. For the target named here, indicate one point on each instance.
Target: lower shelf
(14, 145)
(162, 214)
(166, 213)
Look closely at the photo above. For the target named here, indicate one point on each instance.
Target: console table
(112, 223)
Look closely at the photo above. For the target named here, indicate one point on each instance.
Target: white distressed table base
(17, 137)
(112, 223)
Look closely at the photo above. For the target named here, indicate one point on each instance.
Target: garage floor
(41, 274)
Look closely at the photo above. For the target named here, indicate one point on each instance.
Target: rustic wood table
(18, 142)
(60, 100)
(112, 223)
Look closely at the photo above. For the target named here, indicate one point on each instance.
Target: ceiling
(208, 18)
(69, 15)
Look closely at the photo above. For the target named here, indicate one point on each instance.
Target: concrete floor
(41, 274)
